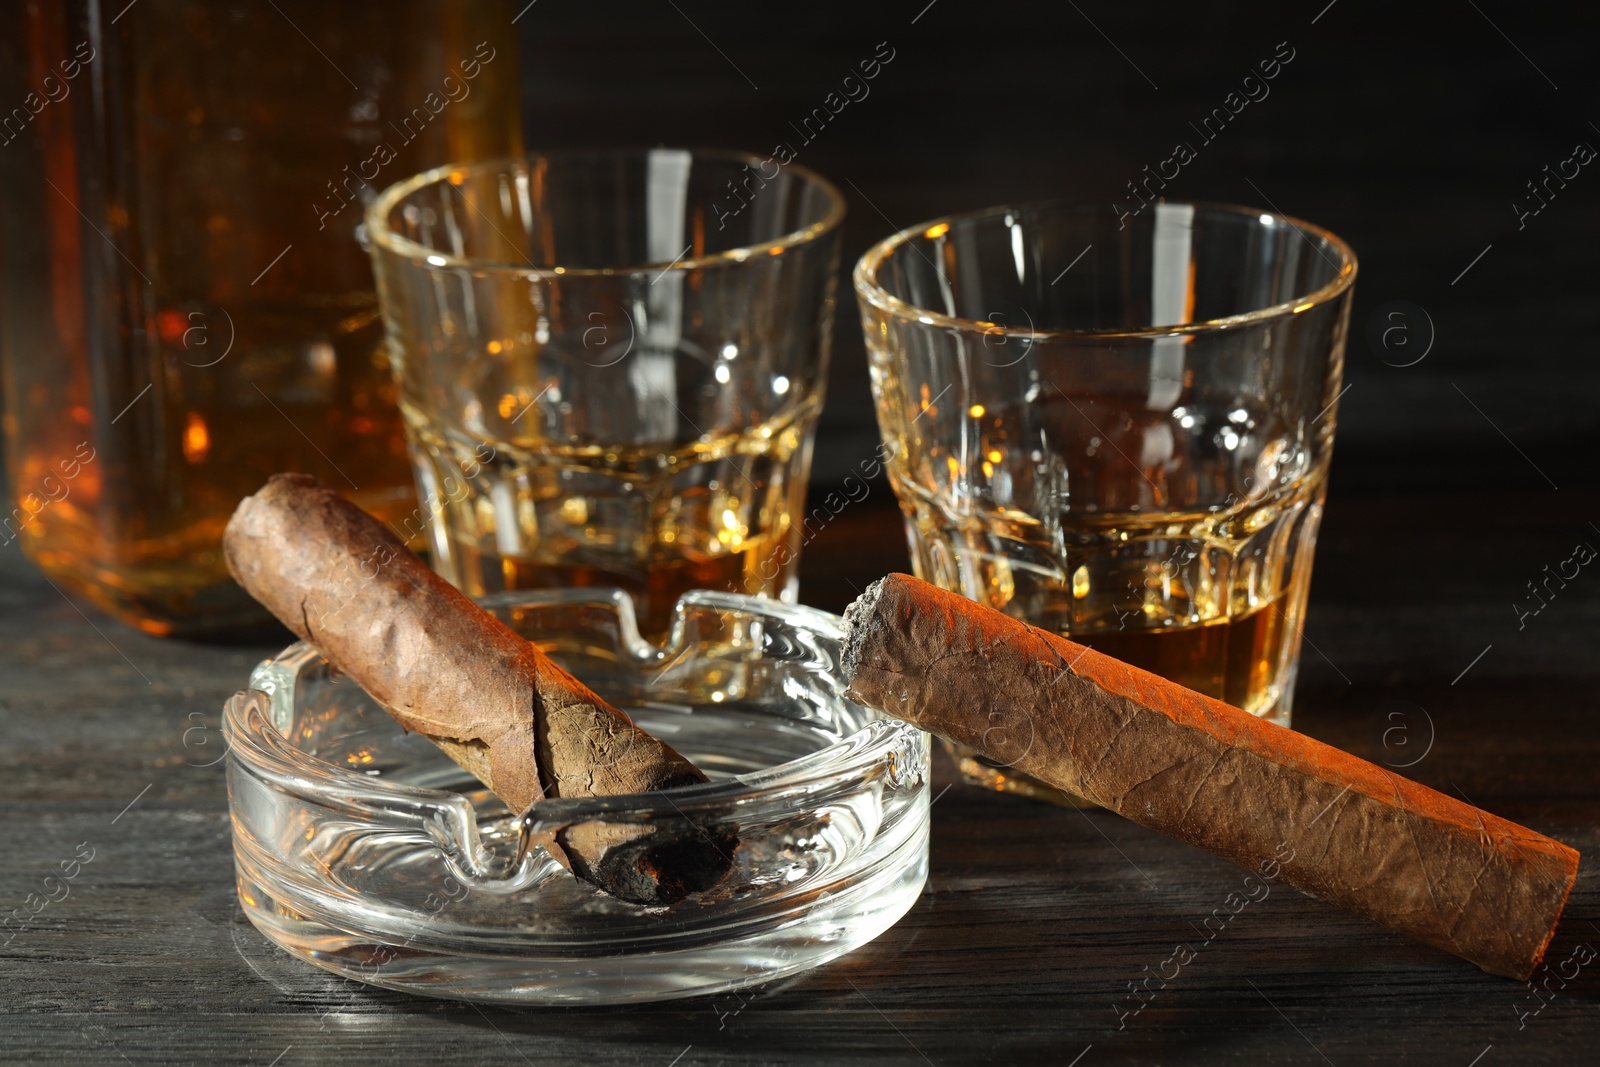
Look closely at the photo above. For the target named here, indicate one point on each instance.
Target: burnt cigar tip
(651, 872)
(857, 627)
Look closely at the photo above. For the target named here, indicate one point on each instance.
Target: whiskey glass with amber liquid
(610, 367)
(1117, 426)
(187, 308)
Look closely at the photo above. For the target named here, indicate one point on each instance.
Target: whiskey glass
(1116, 425)
(610, 366)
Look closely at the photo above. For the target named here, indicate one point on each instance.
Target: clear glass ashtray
(366, 851)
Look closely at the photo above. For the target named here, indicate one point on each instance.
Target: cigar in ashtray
(447, 669)
(1332, 825)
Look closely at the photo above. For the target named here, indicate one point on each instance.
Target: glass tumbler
(1117, 427)
(610, 367)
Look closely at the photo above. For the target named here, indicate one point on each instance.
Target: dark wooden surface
(1034, 922)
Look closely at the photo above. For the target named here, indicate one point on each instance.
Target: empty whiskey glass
(1117, 426)
(610, 366)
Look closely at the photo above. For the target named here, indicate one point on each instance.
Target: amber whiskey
(716, 513)
(189, 309)
(1209, 600)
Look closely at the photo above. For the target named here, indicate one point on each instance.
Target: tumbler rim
(380, 235)
(864, 277)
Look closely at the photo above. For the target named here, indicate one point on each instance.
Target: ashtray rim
(877, 738)
(862, 801)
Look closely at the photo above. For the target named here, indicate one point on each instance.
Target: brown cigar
(447, 669)
(1325, 822)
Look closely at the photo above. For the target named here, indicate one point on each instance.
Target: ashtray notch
(366, 851)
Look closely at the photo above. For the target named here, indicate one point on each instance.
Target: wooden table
(1035, 920)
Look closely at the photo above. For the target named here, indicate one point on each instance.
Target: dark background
(1407, 129)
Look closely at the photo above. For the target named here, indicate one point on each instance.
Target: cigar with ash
(1329, 824)
(447, 669)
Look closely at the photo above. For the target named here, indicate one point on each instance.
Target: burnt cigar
(447, 669)
(1333, 826)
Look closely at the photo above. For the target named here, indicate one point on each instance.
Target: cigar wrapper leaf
(1354, 834)
(445, 668)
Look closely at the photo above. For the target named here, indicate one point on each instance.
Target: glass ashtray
(366, 851)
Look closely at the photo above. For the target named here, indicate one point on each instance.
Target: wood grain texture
(1022, 949)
